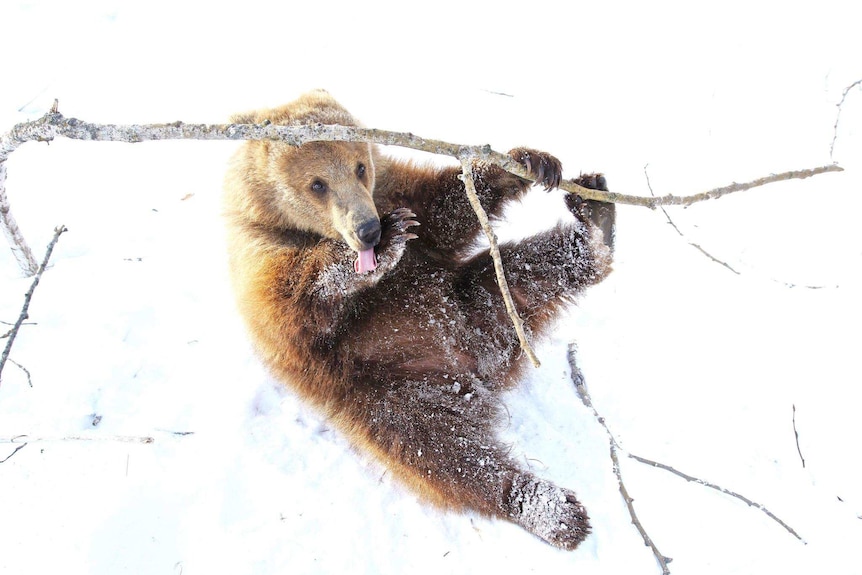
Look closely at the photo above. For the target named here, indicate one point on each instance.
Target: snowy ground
(134, 331)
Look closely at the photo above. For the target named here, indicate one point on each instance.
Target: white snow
(134, 331)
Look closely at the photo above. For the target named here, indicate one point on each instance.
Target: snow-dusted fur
(408, 359)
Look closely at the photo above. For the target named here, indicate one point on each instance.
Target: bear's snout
(369, 233)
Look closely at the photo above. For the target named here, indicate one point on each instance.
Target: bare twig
(717, 488)
(17, 449)
(467, 159)
(796, 434)
(29, 296)
(24, 369)
(581, 388)
(674, 226)
(840, 106)
(119, 438)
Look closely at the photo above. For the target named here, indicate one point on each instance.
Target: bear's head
(326, 188)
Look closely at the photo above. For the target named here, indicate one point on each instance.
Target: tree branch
(25, 439)
(17, 449)
(13, 333)
(717, 488)
(467, 158)
(682, 235)
(54, 124)
(796, 435)
(840, 106)
(23, 254)
(581, 388)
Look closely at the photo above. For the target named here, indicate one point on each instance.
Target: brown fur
(409, 359)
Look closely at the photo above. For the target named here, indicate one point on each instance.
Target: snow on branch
(54, 124)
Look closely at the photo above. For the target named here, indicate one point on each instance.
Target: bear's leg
(437, 435)
(543, 271)
(600, 214)
(438, 198)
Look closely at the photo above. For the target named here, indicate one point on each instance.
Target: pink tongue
(366, 262)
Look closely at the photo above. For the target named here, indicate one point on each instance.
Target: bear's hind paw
(549, 512)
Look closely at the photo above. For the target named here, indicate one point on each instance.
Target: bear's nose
(369, 232)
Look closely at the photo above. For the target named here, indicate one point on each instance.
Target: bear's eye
(360, 171)
(318, 187)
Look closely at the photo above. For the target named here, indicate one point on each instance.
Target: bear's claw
(545, 168)
(395, 225)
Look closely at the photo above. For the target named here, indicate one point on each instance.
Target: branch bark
(13, 333)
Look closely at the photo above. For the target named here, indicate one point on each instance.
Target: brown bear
(354, 274)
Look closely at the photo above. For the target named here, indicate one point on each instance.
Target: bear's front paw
(549, 512)
(394, 227)
(393, 239)
(545, 168)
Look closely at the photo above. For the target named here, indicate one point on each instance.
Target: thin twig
(581, 388)
(840, 106)
(24, 369)
(17, 449)
(717, 488)
(29, 296)
(796, 434)
(119, 438)
(674, 226)
(467, 159)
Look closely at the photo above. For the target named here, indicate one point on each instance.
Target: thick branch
(55, 124)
